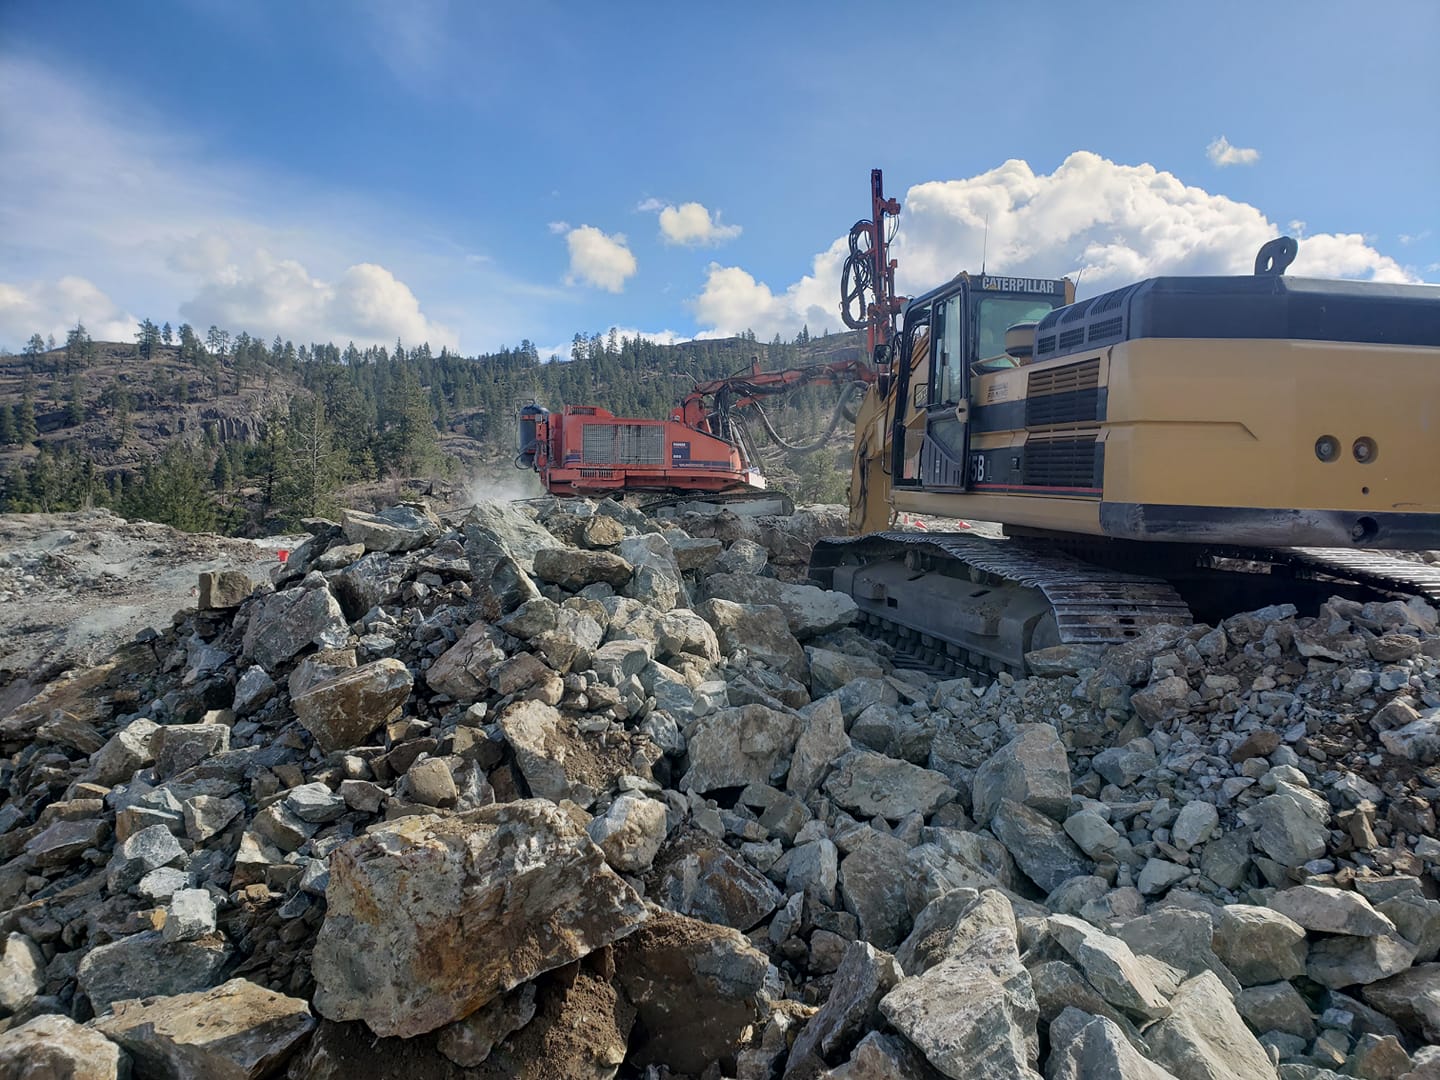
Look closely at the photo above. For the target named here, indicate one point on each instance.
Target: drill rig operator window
(996, 315)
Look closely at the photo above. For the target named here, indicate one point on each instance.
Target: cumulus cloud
(54, 307)
(599, 259)
(365, 303)
(1221, 153)
(100, 186)
(691, 225)
(1105, 223)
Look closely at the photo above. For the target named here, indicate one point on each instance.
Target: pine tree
(220, 476)
(79, 349)
(313, 467)
(75, 402)
(167, 335)
(147, 337)
(25, 430)
(173, 489)
(33, 348)
(189, 343)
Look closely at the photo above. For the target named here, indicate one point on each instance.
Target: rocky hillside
(570, 792)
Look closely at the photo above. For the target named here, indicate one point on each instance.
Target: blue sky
(475, 174)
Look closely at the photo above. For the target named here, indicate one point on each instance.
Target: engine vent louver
(624, 444)
(1063, 395)
(1062, 463)
(1105, 330)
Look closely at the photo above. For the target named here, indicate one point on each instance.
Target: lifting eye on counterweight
(1275, 256)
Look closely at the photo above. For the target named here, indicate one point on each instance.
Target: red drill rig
(705, 446)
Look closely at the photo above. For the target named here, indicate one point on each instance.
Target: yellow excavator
(1180, 448)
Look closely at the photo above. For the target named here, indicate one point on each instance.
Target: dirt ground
(73, 587)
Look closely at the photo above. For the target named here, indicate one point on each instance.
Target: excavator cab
(969, 327)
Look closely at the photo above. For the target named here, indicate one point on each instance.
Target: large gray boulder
(974, 1014)
(1031, 769)
(54, 1047)
(760, 632)
(397, 528)
(1086, 1047)
(1110, 967)
(343, 711)
(144, 965)
(429, 918)
(713, 885)
(1324, 910)
(1204, 1038)
(872, 785)
(371, 582)
(1039, 846)
(1291, 826)
(1411, 999)
(501, 530)
(463, 670)
(573, 569)
(1259, 945)
(1343, 961)
(22, 973)
(127, 752)
(236, 1031)
(822, 743)
(809, 610)
(656, 579)
(873, 887)
(284, 623)
(734, 747)
(630, 832)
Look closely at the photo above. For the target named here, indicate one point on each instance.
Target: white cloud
(1414, 238)
(650, 205)
(599, 259)
(96, 185)
(558, 228)
(1221, 153)
(691, 225)
(1107, 223)
(54, 307)
(365, 303)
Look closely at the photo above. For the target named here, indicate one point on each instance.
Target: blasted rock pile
(568, 791)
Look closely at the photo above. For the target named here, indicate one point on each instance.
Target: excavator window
(952, 349)
(996, 315)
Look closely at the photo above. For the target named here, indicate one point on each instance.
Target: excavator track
(1372, 568)
(971, 603)
(963, 604)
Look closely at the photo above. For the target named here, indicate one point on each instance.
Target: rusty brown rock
(430, 918)
(341, 712)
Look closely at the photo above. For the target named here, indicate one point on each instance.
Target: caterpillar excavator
(1180, 447)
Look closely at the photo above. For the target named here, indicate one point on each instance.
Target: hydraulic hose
(809, 448)
(857, 275)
